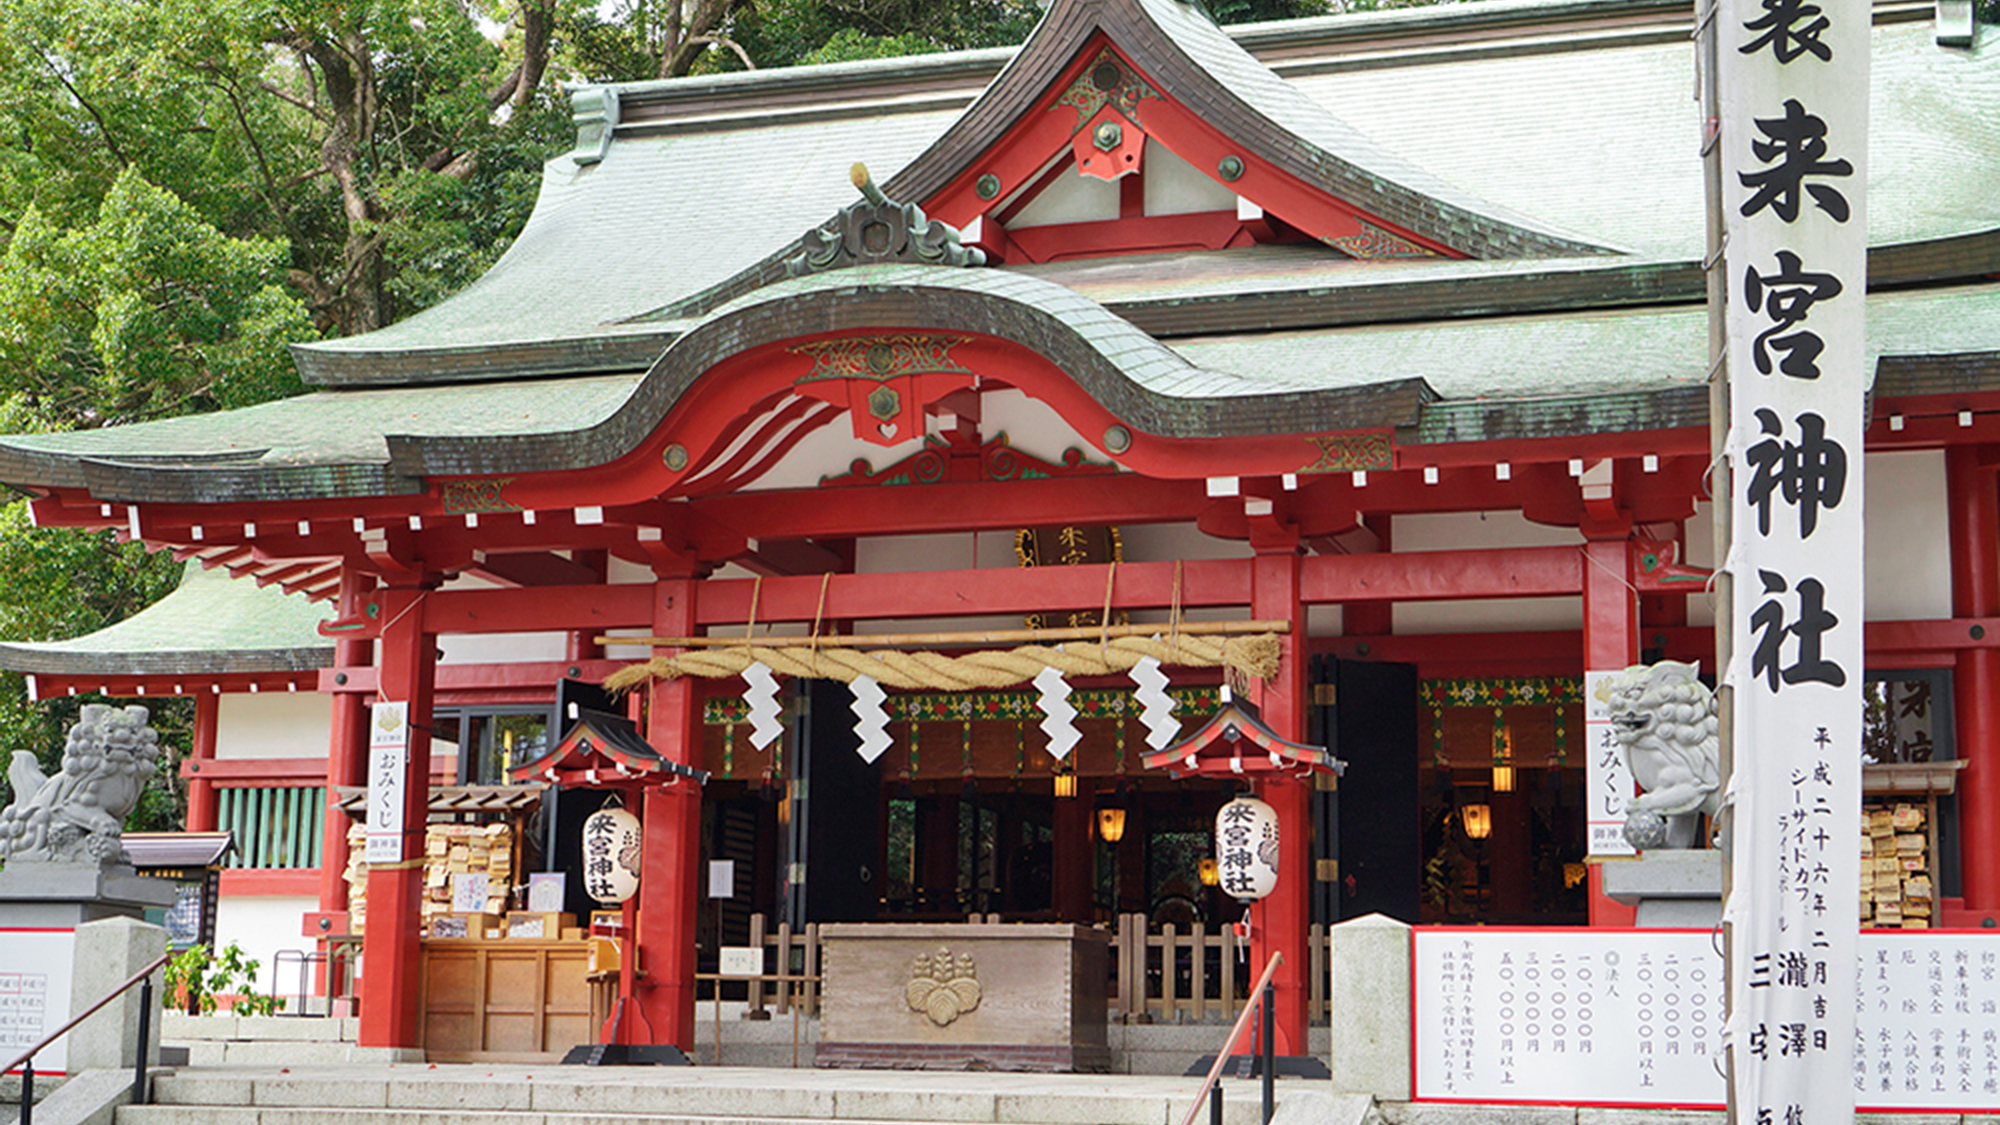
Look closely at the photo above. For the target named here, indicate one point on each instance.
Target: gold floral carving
(1374, 242)
(1106, 81)
(881, 357)
(1343, 453)
(941, 987)
(461, 496)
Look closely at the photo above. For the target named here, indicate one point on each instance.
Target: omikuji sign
(1792, 80)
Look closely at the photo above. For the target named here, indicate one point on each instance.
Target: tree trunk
(356, 293)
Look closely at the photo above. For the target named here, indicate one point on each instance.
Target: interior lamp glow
(1211, 872)
(1478, 820)
(1065, 784)
(1111, 825)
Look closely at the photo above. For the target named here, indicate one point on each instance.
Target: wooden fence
(1158, 975)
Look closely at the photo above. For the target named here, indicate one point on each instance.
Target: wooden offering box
(519, 1000)
(961, 997)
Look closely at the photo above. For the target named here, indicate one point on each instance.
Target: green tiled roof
(1426, 378)
(1607, 140)
(209, 625)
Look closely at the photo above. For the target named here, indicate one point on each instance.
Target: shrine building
(1369, 355)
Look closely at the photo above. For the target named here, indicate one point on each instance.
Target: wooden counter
(959, 997)
(507, 999)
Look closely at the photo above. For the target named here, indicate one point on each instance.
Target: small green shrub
(197, 976)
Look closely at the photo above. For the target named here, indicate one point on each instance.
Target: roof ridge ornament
(876, 229)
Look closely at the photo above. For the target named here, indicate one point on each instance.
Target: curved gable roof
(1199, 65)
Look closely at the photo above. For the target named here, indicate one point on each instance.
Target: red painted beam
(238, 772)
(281, 773)
(539, 676)
(528, 609)
(1512, 572)
(142, 688)
(957, 593)
(921, 509)
(252, 881)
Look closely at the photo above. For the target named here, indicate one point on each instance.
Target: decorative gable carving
(876, 229)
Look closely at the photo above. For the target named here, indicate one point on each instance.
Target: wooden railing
(275, 826)
(1163, 974)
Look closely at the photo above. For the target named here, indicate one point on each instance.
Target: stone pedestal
(83, 928)
(1670, 889)
(66, 895)
(1019, 997)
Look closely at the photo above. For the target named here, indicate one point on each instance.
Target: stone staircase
(427, 1094)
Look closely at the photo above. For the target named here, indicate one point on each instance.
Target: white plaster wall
(274, 725)
(1908, 546)
(262, 925)
(1467, 530)
(501, 648)
(1167, 542)
(1073, 198)
(1032, 426)
(1175, 187)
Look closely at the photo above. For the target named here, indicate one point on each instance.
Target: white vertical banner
(388, 755)
(1607, 776)
(1792, 82)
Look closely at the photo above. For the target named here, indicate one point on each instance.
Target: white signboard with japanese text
(388, 754)
(35, 966)
(1634, 1018)
(1608, 777)
(1791, 81)
(1598, 1017)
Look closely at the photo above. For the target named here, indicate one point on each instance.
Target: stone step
(415, 1093)
(274, 1115)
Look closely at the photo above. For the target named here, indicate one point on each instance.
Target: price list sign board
(1791, 90)
(1927, 1022)
(34, 993)
(1594, 1017)
(1634, 1018)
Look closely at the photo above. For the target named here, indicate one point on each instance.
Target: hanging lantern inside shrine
(1246, 848)
(611, 846)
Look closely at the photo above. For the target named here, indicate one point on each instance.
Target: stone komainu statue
(1665, 719)
(77, 815)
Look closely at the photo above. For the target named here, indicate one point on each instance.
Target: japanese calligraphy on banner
(1634, 1018)
(388, 752)
(1792, 85)
(1608, 777)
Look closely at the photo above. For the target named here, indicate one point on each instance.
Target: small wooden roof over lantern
(603, 751)
(1235, 743)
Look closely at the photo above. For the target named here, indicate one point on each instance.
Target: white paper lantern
(611, 846)
(1246, 848)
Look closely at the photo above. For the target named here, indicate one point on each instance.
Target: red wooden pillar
(346, 752)
(1073, 848)
(1279, 922)
(1975, 592)
(1610, 642)
(202, 798)
(391, 947)
(669, 886)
